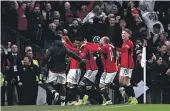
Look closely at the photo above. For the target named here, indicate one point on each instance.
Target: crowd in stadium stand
(74, 22)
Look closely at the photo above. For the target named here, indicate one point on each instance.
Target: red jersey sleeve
(69, 42)
(93, 44)
(93, 47)
(71, 48)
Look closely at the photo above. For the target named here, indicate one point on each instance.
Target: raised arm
(69, 42)
(90, 6)
(93, 47)
(70, 47)
(73, 55)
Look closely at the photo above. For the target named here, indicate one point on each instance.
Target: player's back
(108, 59)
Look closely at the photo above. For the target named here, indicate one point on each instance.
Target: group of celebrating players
(109, 55)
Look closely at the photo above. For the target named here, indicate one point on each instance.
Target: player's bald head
(106, 40)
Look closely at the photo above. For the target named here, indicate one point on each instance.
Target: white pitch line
(95, 108)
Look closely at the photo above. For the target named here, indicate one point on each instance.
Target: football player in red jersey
(110, 68)
(74, 73)
(127, 65)
(88, 80)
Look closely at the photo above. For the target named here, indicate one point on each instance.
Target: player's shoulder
(105, 47)
(130, 42)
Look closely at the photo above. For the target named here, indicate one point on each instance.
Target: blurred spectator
(140, 29)
(111, 29)
(28, 48)
(22, 19)
(99, 26)
(75, 31)
(166, 22)
(153, 41)
(27, 82)
(118, 29)
(163, 52)
(35, 25)
(69, 15)
(3, 59)
(115, 10)
(12, 65)
(163, 38)
(84, 10)
(3, 89)
(9, 14)
(3, 82)
(96, 12)
(58, 24)
(47, 14)
(147, 5)
(50, 36)
(107, 6)
(166, 91)
(56, 15)
(158, 70)
(34, 61)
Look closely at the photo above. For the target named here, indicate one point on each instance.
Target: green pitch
(148, 107)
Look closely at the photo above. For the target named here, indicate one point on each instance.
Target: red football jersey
(127, 54)
(74, 64)
(66, 39)
(108, 59)
(86, 53)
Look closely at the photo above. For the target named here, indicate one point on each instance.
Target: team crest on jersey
(32, 68)
(24, 68)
